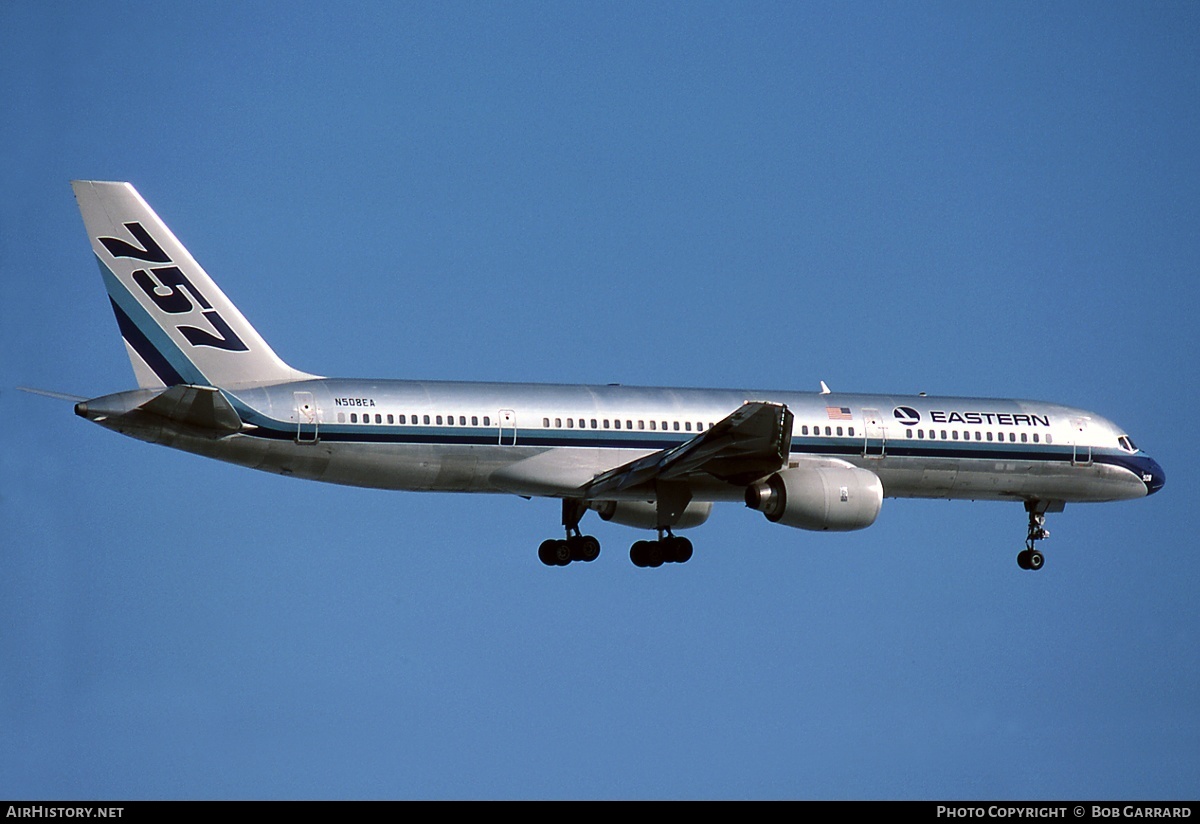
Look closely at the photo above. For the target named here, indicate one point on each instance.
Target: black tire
(1036, 560)
(682, 551)
(1023, 559)
(637, 553)
(562, 552)
(654, 554)
(589, 549)
(546, 553)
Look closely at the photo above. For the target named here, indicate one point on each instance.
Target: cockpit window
(1126, 443)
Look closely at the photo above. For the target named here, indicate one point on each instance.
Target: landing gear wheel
(1030, 559)
(546, 553)
(637, 553)
(589, 548)
(654, 554)
(681, 550)
(562, 553)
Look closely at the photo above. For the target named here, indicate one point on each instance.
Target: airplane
(646, 457)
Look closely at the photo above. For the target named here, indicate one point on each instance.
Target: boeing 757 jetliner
(654, 458)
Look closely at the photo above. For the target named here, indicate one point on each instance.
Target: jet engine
(823, 498)
(644, 514)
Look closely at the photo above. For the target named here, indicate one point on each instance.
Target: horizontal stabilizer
(201, 406)
(62, 396)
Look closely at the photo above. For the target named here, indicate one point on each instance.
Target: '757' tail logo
(169, 288)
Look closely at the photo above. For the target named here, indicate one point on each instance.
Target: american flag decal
(838, 413)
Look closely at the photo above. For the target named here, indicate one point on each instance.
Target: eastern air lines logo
(169, 288)
(907, 415)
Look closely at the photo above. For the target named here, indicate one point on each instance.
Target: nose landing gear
(1031, 558)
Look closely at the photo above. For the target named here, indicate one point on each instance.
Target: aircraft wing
(752, 442)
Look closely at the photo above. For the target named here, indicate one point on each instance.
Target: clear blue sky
(997, 199)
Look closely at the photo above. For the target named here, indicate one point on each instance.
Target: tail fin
(179, 328)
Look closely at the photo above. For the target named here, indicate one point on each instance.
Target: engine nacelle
(832, 498)
(644, 514)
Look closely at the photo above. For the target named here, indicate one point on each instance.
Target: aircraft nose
(1152, 475)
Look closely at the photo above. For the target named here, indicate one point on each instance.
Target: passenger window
(641, 424)
(839, 431)
(676, 426)
(628, 424)
(545, 423)
(1049, 438)
(653, 426)
(558, 423)
(594, 424)
(954, 434)
(909, 432)
(487, 421)
(474, 420)
(851, 433)
(439, 419)
(688, 426)
(378, 418)
(1012, 437)
(606, 423)
(570, 423)
(341, 417)
(921, 433)
(426, 420)
(1023, 437)
(1035, 437)
(804, 429)
(617, 423)
(353, 417)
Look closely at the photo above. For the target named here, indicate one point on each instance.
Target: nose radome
(1157, 478)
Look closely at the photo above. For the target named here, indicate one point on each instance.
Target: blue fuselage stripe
(845, 448)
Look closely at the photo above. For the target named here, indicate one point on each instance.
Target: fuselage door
(507, 420)
(874, 434)
(307, 417)
(1081, 454)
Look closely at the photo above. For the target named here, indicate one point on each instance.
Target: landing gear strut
(1030, 558)
(576, 546)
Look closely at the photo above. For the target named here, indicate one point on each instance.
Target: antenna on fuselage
(824, 388)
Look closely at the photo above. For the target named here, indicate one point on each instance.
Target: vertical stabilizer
(179, 328)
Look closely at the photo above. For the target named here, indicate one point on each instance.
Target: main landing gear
(576, 546)
(666, 550)
(1030, 558)
(573, 548)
